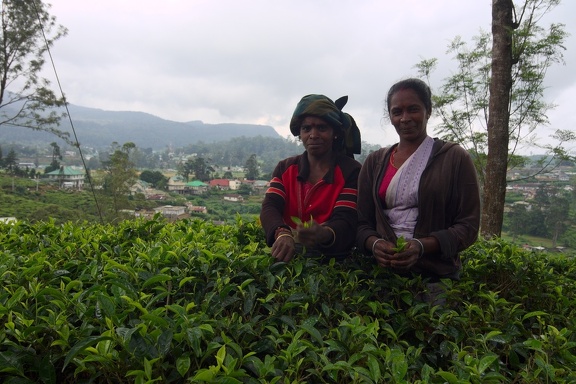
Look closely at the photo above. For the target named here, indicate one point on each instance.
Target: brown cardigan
(448, 206)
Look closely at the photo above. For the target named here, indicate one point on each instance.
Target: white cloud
(251, 61)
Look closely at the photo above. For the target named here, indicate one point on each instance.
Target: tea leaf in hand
(296, 220)
(401, 244)
(306, 224)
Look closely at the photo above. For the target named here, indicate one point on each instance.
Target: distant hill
(99, 128)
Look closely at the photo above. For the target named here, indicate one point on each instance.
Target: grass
(532, 241)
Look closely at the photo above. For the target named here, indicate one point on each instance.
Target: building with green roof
(68, 177)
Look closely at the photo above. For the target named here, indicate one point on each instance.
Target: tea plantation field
(192, 302)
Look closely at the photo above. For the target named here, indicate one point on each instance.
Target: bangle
(374, 245)
(421, 247)
(284, 235)
(280, 230)
(326, 245)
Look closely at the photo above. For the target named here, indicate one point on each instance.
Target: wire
(76, 142)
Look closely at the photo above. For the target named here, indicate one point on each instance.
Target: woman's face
(408, 115)
(316, 135)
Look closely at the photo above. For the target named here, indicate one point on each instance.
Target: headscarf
(330, 111)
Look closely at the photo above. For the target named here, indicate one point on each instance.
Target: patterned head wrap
(330, 111)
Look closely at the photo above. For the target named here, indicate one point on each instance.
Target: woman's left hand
(313, 234)
(405, 259)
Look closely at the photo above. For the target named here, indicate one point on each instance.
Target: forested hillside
(98, 128)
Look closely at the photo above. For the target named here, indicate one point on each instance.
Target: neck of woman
(319, 166)
(408, 147)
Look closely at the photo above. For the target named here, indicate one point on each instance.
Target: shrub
(189, 301)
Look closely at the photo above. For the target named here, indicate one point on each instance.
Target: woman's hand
(388, 258)
(313, 234)
(381, 249)
(284, 247)
(404, 260)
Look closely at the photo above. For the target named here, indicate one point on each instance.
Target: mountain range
(99, 128)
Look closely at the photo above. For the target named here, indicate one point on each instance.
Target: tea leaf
(296, 219)
(82, 345)
(486, 361)
(532, 314)
(305, 224)
(183, 364)
(401, 244)
(156, 279)
(450, 377)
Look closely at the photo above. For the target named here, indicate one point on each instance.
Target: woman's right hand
(381, 249)
(283, 248)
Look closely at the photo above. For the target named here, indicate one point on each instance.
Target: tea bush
(151, 301)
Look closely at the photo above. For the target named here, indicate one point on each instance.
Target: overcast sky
(250, 61)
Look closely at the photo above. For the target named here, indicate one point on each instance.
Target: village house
(233, 198)
(196, 187)
(177, 184)
(220, 184)
(68, 177)
(144, 213)
(260, 186)
(196, 208)
(146, 189)
(235, 185)
(140, 186)
(171, 212)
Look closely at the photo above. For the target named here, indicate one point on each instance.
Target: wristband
(374, 245)
(421, 247)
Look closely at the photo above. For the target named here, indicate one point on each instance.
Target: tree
(11, 161)
(493, 104)
(156, 178)
(27, 33)
(120, 175)
(199, 166)
(558, 216)
(202, 169)
(498, 117)
(518, 216)
(251, 168)
(245, 189)
(56, 156)
(538, 221)
(145, 158)
(554, 204)
(185, 169)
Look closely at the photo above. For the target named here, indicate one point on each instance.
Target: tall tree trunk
(498, 119)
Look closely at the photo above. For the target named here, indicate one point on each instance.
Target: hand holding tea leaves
(310, 233)
(399, 256)
(401, 244)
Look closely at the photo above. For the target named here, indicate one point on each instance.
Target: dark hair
(421, 88)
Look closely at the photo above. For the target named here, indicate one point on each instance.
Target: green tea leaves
(305, 224)
(197, 302)
(401, 244)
